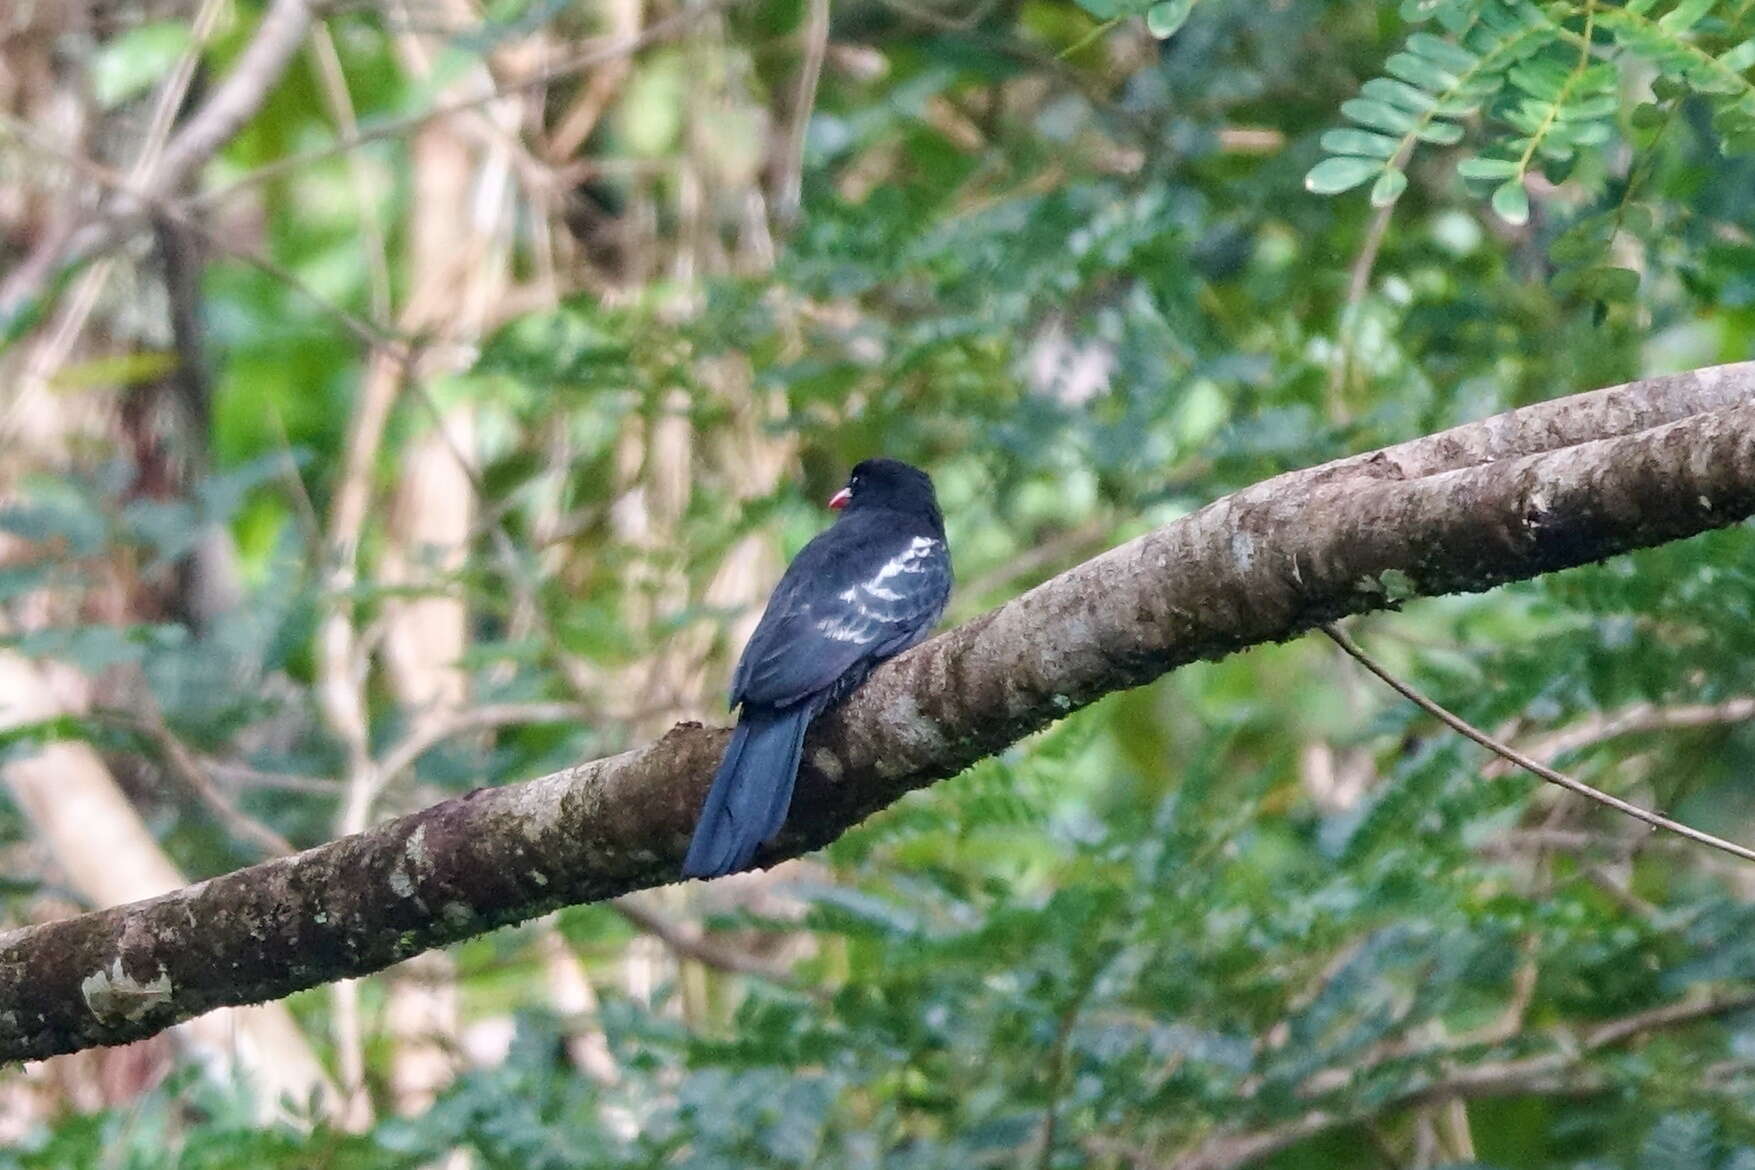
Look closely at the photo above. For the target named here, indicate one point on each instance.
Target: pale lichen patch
(114, 994)
(411, 865)
(1242, 548)
(918, 736)
(537, 805)
(826, 762)
(1541, 504)
(416, 848)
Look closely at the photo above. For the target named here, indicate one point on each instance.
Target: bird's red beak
(841, 499)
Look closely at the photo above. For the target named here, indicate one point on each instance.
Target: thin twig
(237, 98)
(682, 21)
(1469, 731)
(77, 306)
(578, 673)
(1636, 719)
(332, 80)
(368, 332)
(188, 768)
(244, 776)
(340, 688)
(789, 189)
(1358, 281)
(232, 103)
(1057, 1063)
(581, 117)
(431, 732)
(690, 943)
(175, 90)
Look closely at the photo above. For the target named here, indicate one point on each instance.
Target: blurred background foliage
(415, 454)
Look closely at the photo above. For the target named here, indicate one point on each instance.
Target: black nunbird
(867, 588)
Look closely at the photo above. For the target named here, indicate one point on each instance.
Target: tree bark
(1555, 485)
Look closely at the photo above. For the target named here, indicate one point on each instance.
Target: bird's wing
(848, 601)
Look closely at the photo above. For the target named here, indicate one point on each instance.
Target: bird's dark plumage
(867, 588)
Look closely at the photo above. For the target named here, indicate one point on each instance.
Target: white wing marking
(870, 613)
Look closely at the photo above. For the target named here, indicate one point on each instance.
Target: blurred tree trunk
(723, 228)
(107, 854)
(93, 835)
(458, 255)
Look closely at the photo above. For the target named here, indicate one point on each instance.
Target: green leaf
(1442, 133)
(1378, 115)
(1571, 248)
(1685, 15)
(1538, 79)
(128, 65)
(70, 523)
(1704, 77)
(18, 580)
(1647, 121)
(1486, 168)
(1421, 72)
(1600, 106)
(1648, 116)
(1603, 77)
(94, 649)
(1681, 1141)
(1584, 133)
(1388, 188)
(650, 112)
(1348, 141)
(1398, 93)
(1511, 202)
(1164, 18)
(1459, 106)
(1735, 127)
(126, 369)
(1667, 89)
(1331, 176)
(1739, 59)
(1529, 117)
(1604, 283)
(1452, 56)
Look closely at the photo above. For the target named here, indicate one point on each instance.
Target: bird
(866, 588)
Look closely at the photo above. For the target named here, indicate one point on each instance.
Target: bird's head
(887, 483)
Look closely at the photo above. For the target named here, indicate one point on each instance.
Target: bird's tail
(751, 791)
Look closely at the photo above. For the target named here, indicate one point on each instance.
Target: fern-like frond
(1433, 82)
(1549, 78)
(1679, 44)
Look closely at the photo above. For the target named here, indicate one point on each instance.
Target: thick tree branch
(1560, 484)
